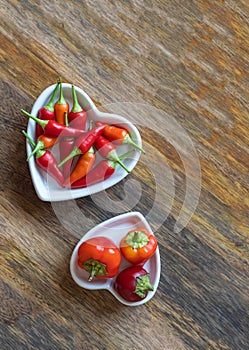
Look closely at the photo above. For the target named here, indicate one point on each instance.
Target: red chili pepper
(46, 161)
(100, 257)
(51, 127)
(84, 143)
(103, 170)
(60, 107)
(66, 145)
(82, 167)
(77, 115)
(46, 112)
(138, 246)
(43, 142)
(108, 150)
(118, 136)
(133, 283)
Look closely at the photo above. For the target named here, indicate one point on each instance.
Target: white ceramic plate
(115, 229)
(46, 188)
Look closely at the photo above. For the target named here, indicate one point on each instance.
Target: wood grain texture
(189, 59)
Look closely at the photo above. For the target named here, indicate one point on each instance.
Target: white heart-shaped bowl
(46, 188)
(115, 229)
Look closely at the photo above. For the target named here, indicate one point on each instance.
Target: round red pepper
(138, 246)
(133, 283)
(100, 257)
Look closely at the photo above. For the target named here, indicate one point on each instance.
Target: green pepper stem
(41, 122)
(95, 268)
(114, 163)
(122, 165)
(129, 141)
(126, 154)
(39, 146)
(76, 106)
(66, 118)
(50, 105)
(143, 285)
(75, 152)
(31, 141)
(112, 155)
(61, 100)
(137, 239)
(39, 152)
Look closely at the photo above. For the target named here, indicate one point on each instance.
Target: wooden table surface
(184, 67)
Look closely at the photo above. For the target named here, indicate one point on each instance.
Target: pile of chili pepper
(77, 166)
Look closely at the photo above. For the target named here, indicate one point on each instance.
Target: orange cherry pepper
(138, 246)
(61, 107)
(82, 167)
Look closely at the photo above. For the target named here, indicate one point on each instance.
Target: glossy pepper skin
(66, 145)
(61, 107)
(82, 167)
(102, 171)
(108, 150)
(52, 128)
(43, 142)
(133, 283)
(100, 257)
(77, 115)
(46, 112)
(119, 136)
(138, 246)
(84, 143)
(46, 161)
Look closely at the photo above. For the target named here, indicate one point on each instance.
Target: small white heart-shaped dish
(115, 229)
(46, 188)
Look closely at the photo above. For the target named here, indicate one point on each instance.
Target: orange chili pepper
(118, 135)
(47, 140)
(82, 167)
(43, 142)
(60, 107)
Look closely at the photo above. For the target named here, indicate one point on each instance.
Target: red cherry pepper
(46, 112)
(133, 283)
(84, 143)
(100, 257)
(119, 136)
(66, 145)
(51, 127)
(46, 161)
(77, 115)
(108, 150)
(60, 107)
(103, 170)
